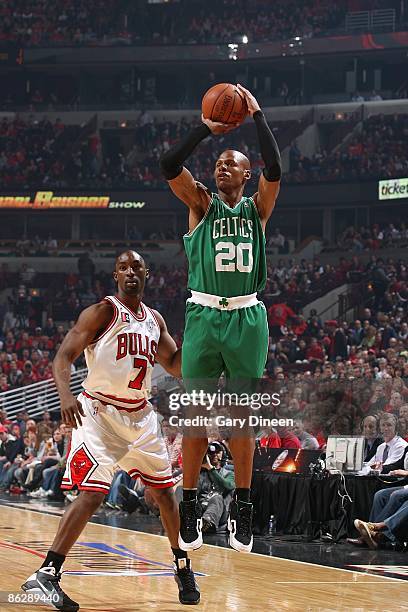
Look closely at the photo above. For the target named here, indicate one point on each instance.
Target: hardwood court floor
(125, 571)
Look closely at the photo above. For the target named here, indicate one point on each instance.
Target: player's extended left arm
(269, 148)
(269, 181)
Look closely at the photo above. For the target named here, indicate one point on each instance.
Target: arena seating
(330, 374)
(290, 283)
(32, 148)
(66, 156)
(376, 150)
(35, 24)
(366, 360)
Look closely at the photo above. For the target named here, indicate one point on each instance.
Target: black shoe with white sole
(45, 583)
(189, 593)
(240, 526)
(190, 536)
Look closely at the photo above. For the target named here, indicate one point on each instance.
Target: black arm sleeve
(269, 148)
(171, 162)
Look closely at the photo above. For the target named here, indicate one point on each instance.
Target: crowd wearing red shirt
(26, 355)
(94, 22)
(378, 150)
(329, 374)
(31, 148)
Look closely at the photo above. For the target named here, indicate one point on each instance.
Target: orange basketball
(224, 103)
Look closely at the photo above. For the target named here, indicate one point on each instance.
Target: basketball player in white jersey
(113, 421)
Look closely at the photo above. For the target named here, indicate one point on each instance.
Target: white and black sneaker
(45, 581)
(190, 536)
(189, 593)
(240, 526)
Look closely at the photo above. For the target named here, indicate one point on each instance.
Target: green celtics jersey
(226, 251)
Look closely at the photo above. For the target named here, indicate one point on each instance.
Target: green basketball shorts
(219, 340)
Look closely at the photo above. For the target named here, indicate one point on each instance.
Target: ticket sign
(393, 189)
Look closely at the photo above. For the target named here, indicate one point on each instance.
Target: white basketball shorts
(109, 437)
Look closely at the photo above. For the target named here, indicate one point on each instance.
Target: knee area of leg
(92, 498)
(380, 494)
(163, 496)
(399, 493)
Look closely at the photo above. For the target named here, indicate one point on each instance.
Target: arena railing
(38, 397)
(371, 21)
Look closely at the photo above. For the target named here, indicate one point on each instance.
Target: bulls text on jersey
(131, 343)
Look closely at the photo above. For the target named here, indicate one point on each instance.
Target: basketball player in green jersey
(226, 326)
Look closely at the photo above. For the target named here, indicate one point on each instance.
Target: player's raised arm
(180, 180)
(91, 322)
(269, 181)
(168, 355)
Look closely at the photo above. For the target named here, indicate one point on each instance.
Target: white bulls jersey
(121, 359)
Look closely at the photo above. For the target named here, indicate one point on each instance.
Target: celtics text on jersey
(226, 251)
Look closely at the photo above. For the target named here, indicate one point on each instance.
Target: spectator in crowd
(277, 240)
(372, 439)
(389, 515)
(390, 452)
(380, 282)
(215, 488)
(288, 438)
(10, 448)
(45, 427)
(374, 96)
(121, 493)
(269, 438)
(49, 455)
(315, 352)
(307, 440)
(50, 329)
(27, 274)
(86, 269)
(283, 93)
(133, 498)
(357, 97)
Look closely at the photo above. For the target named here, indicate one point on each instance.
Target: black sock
(243, 495)
(189, 494)
(54, 559)
(179, 554)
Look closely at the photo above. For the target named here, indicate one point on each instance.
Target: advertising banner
(47, 200)
(393, 189)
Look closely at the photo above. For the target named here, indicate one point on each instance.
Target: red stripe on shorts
(111, 403)
(151, 483)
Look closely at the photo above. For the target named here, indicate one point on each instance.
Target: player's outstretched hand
(71, 411)
(252, 102)
(219, 128)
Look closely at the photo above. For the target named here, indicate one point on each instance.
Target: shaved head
(239, 157)
(232, 171)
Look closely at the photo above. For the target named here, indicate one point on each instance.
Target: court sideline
(117, 570)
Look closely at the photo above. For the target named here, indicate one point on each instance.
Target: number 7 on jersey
(137, 382)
